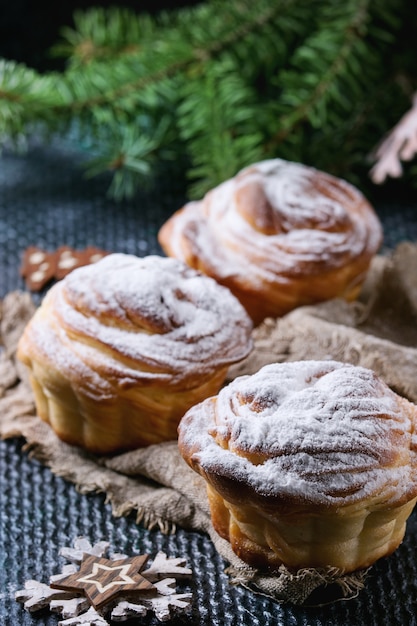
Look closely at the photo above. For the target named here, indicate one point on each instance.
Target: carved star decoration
(103, 580)
(93, 590)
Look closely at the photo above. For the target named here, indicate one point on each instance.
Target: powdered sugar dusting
(319, 222)
(320, 431)
(146, 319)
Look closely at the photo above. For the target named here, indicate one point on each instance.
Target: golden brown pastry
(279, 235)
(120, 349)
(307, 463)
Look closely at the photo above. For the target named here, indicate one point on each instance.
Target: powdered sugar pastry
(147, 319)
(311, 431)
(312, 221)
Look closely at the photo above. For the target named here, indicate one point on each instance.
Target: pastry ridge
(279, 235)
(309, 464)
(119, 350)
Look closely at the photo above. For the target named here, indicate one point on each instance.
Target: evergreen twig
(219, 85)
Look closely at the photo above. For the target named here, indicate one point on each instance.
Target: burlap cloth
(378, 331)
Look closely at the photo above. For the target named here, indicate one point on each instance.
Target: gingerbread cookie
(69, 259)
(39, 266)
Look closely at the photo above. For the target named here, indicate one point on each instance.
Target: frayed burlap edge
(298, 587)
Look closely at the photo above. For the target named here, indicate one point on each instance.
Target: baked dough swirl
(279, 235)
(120, 349)
(309, 464)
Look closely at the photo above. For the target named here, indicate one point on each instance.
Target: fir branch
(224, 84)
(145, 83)
(337, 92)
(307, 94)
(219, 116)
(215, 123)
(130, 156)
(25, 99)
(185, 47)
(102, 34)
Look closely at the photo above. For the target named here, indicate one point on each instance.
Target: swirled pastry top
(275, 220)
(126, 321)
(312, 432)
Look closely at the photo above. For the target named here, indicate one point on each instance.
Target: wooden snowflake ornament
(94, 590)
(399, 145)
